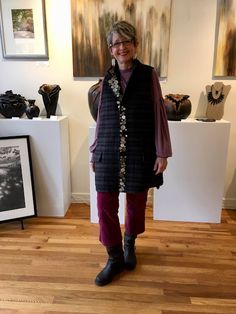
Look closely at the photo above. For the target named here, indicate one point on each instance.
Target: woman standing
(130, 150)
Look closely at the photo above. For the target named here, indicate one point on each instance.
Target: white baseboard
(150, 200)
(80, 198)
(85, 198)
(229, 203)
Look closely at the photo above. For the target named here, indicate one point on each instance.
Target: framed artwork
(17, 198)
(225, 48)
(92, 19)
(23, 29)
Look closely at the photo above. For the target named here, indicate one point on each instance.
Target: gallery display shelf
(194, 180)
(49, 142)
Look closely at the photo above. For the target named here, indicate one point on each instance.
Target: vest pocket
(97, 157)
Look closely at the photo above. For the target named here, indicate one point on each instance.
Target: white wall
(190, 69)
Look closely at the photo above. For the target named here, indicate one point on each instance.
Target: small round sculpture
(32, 111)
(50, 94)
(177, 106)
(12, 105)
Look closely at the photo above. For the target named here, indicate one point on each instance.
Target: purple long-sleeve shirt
(162, 136)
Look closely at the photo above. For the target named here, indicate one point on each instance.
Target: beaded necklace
(114, 84)
(215, 96)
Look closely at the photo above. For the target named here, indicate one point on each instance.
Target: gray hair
(123, 29)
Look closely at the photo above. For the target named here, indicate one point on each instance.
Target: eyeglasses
(124, 43)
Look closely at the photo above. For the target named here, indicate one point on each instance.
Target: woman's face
(123, 50)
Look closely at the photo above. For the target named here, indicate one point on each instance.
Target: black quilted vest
(140, 151)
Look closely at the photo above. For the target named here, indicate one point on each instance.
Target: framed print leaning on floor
(17, 198)
(23, 29)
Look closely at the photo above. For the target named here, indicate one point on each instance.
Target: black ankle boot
(129, 252)
(114, 266)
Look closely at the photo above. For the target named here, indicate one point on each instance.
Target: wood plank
(182, 267)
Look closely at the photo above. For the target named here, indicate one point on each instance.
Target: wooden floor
(182, 268)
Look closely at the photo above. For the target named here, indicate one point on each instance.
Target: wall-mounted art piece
(23, 29)
(225, 49)
(92, 19)
(17, 200)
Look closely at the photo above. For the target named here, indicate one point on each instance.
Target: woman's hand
(92, 165)
(160, 165)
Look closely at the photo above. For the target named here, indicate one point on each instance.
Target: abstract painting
(91, 20)
(225, 54)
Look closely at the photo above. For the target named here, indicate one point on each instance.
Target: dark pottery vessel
(93, 98)
(32, 111)
(12, 105)
(177, 106)
(50, 94)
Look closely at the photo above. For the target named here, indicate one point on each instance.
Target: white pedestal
(49, 143)
(194, 180)
(93, 193)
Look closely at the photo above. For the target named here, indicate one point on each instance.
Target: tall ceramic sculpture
(50, 94)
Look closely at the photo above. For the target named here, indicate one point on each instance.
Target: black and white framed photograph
(23, 29)
(17, 197)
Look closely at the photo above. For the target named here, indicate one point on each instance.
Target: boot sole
(101, 283)
(130, 267)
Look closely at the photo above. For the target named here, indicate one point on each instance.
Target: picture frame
(17, 196)
(23, 29)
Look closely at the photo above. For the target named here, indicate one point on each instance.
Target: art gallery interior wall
(190, 67)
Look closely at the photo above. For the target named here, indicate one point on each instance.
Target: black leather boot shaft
(114, 266)
(129, 252)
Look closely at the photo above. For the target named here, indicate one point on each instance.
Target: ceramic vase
(93, 98)
(32, 111)
(50, 94)
(178, 106)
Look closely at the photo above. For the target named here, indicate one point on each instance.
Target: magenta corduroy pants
(108, 205)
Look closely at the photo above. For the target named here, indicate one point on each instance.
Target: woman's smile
(123, 50)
